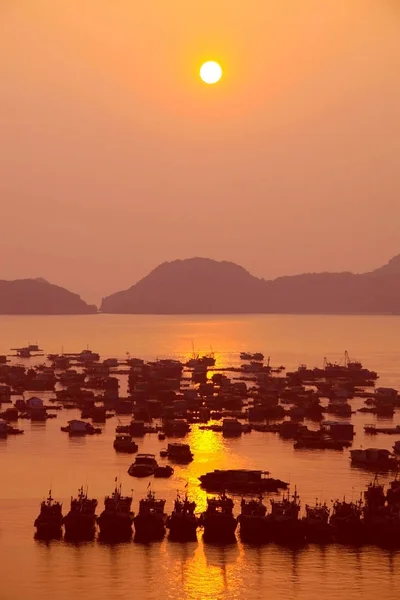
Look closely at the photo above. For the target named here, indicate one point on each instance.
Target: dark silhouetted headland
(205, 286)
(38, 297)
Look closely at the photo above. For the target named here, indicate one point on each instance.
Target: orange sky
(115, 157)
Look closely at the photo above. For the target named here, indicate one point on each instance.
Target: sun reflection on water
(207, 572)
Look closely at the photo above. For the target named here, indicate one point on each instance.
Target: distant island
(205, 286)
(39, 297)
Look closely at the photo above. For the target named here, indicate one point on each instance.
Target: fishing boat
(347, 523)
(80, 522)
(218, 521)
(255, 527)
(115, 522)
(151, 518)
(317, 528)
(49, 521)
(286, 525)
(376, 516)
(182, 522)
(124, 443)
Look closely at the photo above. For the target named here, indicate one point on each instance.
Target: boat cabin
(338, 430)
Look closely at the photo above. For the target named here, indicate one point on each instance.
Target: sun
(210, 72)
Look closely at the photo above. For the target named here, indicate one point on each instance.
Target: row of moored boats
(374, 519)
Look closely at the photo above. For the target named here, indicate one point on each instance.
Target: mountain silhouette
(205, 286)
(38, 297)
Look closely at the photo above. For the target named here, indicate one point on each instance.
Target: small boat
(115, 522)
(49, 522)
(144, 466)
(7, 429)
(76, 428)
(375, 458)
(163, 471)
(179, 453)
(218, 521)
(183, 523)
(164, 453)
(80, 522)
(124, 443)
(251, 356)
(320, 443)
(150, 520)
(255, 526)
(161, 436)
(373, 430)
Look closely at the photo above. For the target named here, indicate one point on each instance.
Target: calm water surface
(46, 457)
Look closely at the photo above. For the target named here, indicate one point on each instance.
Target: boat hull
(182, 528)
(348, 532)
(149, 527)
(140, 471)
(255, 529)
(48, 529)
(383, 532)
(79, 527)
(288, 532)
(126, 448)
(115, 527)
(317, 533)
(219, 528)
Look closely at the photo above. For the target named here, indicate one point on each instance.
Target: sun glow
(210, 72)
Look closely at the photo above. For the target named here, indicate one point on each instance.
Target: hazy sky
(115, 157)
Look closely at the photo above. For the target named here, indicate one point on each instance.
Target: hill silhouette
(39, 297)
(205, 286)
